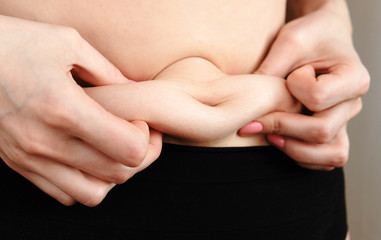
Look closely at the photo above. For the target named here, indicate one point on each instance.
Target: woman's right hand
(51, 132)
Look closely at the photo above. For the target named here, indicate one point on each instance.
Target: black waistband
(179, 163)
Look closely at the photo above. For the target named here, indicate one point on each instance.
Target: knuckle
(15, 156)
(67, 201)
(292, 38)
(31, 146)
(59, 114)
(355, 107)
(69, 41)
(121, 176)
(137, 152)
(341, 158)
(61, 36)
(136, 156)
(317, 97)
(48, 103)
(68, 33)
(277, 126)
(323, 133)
(31, 143)
(365, 82)
(95, 196)
(18, 157)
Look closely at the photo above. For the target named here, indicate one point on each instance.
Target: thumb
(321, 92)
(281, 59)
(92, 67)
(304, 86)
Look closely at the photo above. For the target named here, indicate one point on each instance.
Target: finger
(251, 128)
(338, 84)
(154, 148)
(341, 83)
(319, 156)
(302, 84)
(153, 153)
(85, 119)
(80, 186)
(321, 127)
(87, 159)
(283, 56)
(119, 139)
(73, 182)
(93, 67)
(34, 138)
(316, 167)
(42, 184)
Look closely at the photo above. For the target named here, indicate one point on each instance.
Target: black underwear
(190, 193)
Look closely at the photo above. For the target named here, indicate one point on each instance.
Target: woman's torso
(142, 38)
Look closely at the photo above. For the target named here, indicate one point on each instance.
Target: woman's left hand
(326, 76)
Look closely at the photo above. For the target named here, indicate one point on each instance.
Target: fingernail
(252, 128)
(276, 140)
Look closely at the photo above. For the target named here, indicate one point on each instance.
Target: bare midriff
(143, 38)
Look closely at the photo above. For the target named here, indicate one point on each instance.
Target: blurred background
(363, 171)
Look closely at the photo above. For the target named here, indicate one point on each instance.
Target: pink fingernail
(256, 126)
(252, 128)
(276, 140)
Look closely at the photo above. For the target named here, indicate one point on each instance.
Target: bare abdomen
(143, 37)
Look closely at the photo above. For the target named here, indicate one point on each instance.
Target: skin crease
(48, 12)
